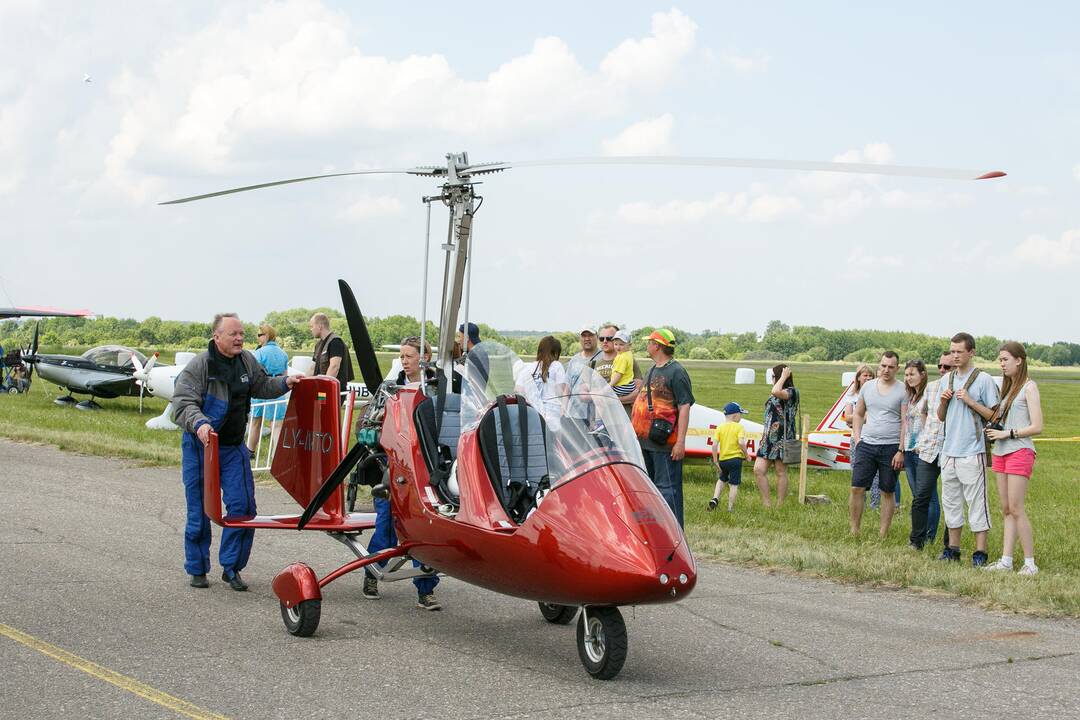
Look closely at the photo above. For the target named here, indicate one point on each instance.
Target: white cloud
(756, 205)
(1076, 171)
(648, 137)
(14, 122)
(1057, 254)
(367, 208)
(861, 264)
(292, 69)
(758, 62)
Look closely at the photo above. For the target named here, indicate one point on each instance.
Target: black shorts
(730, 471)
(873, 460)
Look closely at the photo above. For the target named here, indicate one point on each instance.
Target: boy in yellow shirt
(622, 370)
(728, 453)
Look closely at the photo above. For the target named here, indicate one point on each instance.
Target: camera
(996, 425)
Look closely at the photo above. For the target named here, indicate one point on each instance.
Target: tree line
(800, 343)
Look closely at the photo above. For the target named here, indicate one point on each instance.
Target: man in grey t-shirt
(876, 433)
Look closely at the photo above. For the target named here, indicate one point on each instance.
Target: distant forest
(800, 343)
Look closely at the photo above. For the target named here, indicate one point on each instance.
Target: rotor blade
(414, 171)
(336, 478)
(807, 165)
(365, 351)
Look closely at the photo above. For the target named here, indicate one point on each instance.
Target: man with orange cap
(661, 415)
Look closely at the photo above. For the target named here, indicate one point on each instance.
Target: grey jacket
(199, 399)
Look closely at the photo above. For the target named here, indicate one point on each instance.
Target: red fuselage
(604, 536)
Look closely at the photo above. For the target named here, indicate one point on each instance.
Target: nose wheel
(601, 641)
(302, 619)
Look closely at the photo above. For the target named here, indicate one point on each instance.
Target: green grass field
(810, 539)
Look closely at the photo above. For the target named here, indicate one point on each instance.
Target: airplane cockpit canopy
(585, 424)
(116, 356)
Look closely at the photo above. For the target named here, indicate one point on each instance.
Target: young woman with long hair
(549, 378)
(1019, 414)
(781, 418)
(925, 508)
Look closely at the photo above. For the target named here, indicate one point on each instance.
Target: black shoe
(371, 587)
(915, 546)
(235, 582)
(713, 503)
(950, 554)
(199, 581)
(978, 558)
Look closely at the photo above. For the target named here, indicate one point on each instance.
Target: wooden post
(802, 463)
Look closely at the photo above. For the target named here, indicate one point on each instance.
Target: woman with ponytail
(1016, 419)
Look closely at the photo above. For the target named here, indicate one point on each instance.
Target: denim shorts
(730, 471)
(873, 460)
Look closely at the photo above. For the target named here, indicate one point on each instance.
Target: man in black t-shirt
(667, 396)
(331, 356)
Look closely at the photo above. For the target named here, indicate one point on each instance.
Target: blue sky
(194, 97)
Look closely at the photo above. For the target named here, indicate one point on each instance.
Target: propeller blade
(336, 478)
(230, 191)
(365, 351)
(34, 344)
(806, 165)
(142, 392)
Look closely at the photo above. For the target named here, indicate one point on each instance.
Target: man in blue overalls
(213, 392)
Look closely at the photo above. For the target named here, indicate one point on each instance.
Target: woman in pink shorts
(1019, 414)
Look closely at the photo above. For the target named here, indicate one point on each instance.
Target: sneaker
(713, 503)
(996, 566)
(979, 558)
(949, 554)
(428, 602)
(1029, 570)
(371, 587)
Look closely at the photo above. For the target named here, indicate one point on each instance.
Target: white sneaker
(1029, 570)
(999, 565)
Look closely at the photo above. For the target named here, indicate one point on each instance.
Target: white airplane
(828, 445)
(160, 381)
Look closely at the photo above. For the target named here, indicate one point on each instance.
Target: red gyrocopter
(485, 484)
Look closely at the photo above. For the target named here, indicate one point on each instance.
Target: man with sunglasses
(926, 506)
(605, 360)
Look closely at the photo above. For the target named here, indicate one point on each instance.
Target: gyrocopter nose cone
(668, 562)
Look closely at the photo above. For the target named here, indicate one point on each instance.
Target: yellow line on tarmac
(123, 682)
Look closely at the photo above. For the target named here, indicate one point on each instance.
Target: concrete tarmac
(93, 565)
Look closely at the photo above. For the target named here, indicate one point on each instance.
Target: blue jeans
(925, 507)
(384, 537)
(666, 474)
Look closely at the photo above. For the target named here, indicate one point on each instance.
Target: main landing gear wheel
(601, 641)
(557, 614)
(302, 619)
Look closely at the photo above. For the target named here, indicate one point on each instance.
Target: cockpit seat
(439, 447)
(512, 439)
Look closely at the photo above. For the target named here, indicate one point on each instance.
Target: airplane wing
(14, 312)
(111, 387)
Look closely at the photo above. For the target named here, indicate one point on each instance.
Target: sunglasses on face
(606, 338)
(944, 367)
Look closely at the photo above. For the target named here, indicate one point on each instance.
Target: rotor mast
(459, 197)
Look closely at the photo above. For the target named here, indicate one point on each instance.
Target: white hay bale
(745, 376)
(303, 364)
(847, 378)
(183, 358)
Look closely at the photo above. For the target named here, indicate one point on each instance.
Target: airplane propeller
(30, 354)
(142, 375)
(358, 451)
(365, 351)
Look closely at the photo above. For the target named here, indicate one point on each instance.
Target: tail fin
(309, 447)
(833, 419)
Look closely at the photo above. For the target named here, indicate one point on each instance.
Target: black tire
(603, 652)
(558, 614)
(303, 619)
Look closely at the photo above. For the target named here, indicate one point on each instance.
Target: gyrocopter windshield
(586, 425)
